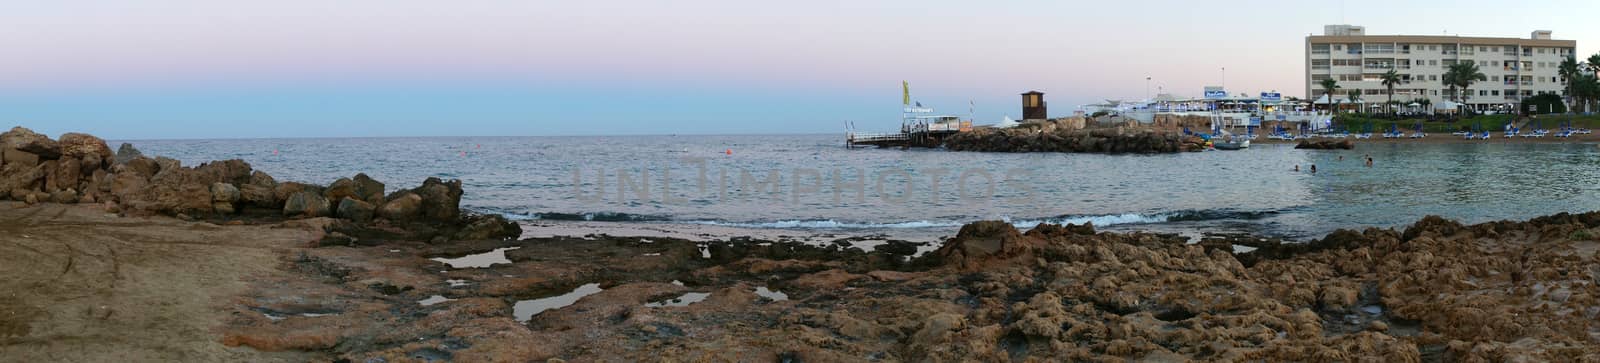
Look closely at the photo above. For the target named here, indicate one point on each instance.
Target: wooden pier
(928, 138)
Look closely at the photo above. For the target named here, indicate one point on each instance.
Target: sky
(162, 69)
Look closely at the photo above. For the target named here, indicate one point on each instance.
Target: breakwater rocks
(1104, 140)
(81, 168)
(1436, 291)
(1326, 144)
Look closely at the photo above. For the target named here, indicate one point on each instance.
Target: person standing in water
(1296, 168)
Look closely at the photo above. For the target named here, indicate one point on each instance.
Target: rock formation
(1046, 139)
(81, 168)
(1341, 144)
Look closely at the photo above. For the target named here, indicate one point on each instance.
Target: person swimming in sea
(1369, 161)
(1313, 168)
(1296, 168)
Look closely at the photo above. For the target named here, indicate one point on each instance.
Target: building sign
(1215, 93)
(1271, 96)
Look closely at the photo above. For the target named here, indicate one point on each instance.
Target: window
(1319, 77)
(1483, 63)
(1494, 78)
(1338, 47)
(1541, 50)
(1420, 62)
(1433, 47)
(1433, 77)
(1433, 62)
(1494, 93)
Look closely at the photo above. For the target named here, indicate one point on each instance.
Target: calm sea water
(887, 190)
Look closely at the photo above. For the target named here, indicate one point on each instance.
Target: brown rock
(128, 184)
(406, 206)
(223, 197)
(23, 139)
(14, 177)
(63, 174)
(64, 197)
(286, 189)
(233, 171)
(80, 146)
(142, 166)
(984, 240)
(306, 204)
(441, 200)
(14, 156)
(489, 227)
(355, 210)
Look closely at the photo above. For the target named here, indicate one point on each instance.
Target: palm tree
(1328, 86)
(1594, 63)
(1355, 97)
(1568, 71)
(1390, 79)
(1586, 89)
(1449, 79)
(1466, 73)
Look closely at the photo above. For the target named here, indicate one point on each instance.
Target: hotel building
(1516, 68)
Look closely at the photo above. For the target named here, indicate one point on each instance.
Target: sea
(813, 184)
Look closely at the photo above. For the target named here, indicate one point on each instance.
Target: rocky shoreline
(1052, 138)
(397, 283)
(80, 168)
(1436, 291)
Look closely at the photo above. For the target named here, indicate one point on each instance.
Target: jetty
(930, 132)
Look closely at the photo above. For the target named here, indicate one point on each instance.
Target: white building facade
(1516, 68)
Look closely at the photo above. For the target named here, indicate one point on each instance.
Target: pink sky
(951, 51)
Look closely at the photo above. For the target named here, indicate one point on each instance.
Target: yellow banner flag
(905, 95)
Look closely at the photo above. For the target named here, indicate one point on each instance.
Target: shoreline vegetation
(285, 283)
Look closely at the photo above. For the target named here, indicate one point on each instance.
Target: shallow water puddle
(525, 310)
(770, 294)
(481, 260)
(1242, 249)
(681, 301)
(435, 299)
(868, 245)
(456, 283)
